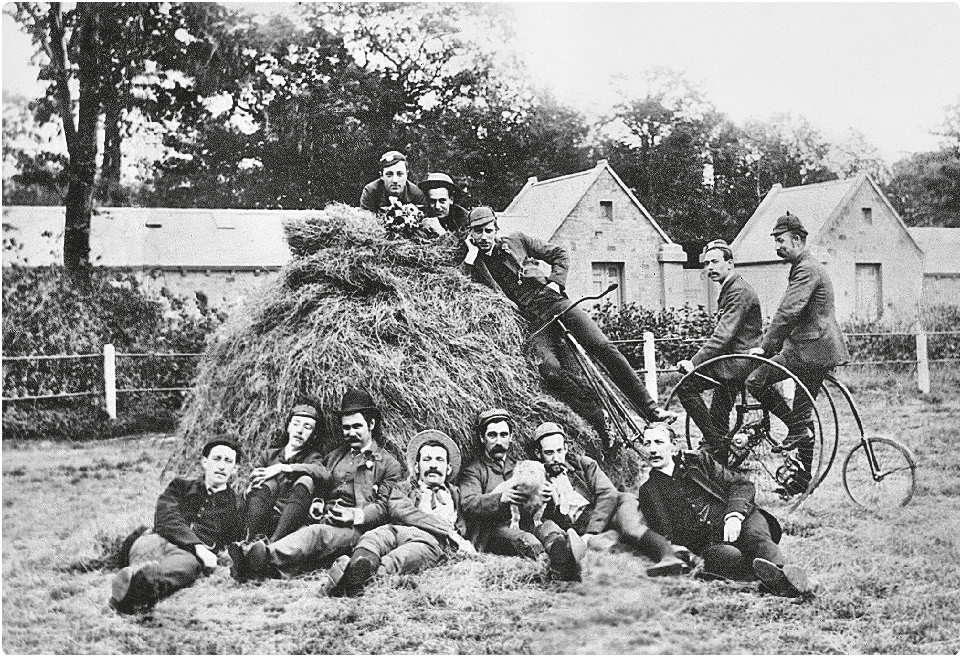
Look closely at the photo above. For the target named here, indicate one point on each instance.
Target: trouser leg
(294, 514)
(714, 431)
(415, 550)
(507, 541)
(563, 378)
(304, 549)
(597, 345)
(755, 540)
(175, 568)
(628, 521)
(261, 516)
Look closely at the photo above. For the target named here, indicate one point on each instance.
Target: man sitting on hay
(425, 519)
(355, 480)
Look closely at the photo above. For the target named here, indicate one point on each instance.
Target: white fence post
(650, 365)
(923, 363)
(110, 379)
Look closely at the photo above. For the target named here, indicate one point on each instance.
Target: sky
(886, 69)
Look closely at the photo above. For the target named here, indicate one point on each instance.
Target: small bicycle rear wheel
(890, 483)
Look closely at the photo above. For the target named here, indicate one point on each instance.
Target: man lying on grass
(583, 498)
(698, 503)
(355, 480)
(424, 516)
(281, 487)
(195, 518)
(488, 491)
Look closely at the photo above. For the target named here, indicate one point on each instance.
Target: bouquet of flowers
(401, 220)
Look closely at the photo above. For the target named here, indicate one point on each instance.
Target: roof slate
(941, 249)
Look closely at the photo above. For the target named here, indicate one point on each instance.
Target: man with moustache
(355, 480)
(424, 519)
(195, 518)
(443, 214)
(805, 338)
(392, 185)
(487, 493)
(739, 323)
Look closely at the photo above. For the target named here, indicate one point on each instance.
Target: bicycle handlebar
(571, 306)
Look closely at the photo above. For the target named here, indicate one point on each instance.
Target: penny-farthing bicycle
(878, 472)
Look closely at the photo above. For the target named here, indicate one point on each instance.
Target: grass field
(891, 582)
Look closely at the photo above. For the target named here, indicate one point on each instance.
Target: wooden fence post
(110, 379)
(650, 365)
(923, 363)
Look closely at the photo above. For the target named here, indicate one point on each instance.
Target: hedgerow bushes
(43, 314)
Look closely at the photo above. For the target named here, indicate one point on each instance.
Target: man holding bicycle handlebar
(498, 261)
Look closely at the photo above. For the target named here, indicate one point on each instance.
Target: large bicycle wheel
(754, 439)
(888, 482)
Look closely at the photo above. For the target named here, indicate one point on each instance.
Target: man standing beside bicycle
(498, 261)
(803, 336)
(738, 329)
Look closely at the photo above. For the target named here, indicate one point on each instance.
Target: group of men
(353, 513)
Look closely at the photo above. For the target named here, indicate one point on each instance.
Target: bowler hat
(391, 157)
(430, 435)
(222, 441)
(480, 216)
(437, 180)
(356, 400)
(716, 243)
(305, 410)
(789, 223)
(490, 416)
(546, 429)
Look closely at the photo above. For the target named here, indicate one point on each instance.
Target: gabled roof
(940, 247)
(817, 205)
(541, 207)
(156, 237)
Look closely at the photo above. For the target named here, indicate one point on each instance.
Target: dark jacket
(592, 484)
(371, 487)
(739, 325)
(306, 462)
(481, 505)
(456, 220)
(525, 284)
(404, 508)
(374, 196)
(708, 492)
(805, 324)
(187, 516)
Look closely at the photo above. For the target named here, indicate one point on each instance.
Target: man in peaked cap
(488, 491)
(500, 262)
(442, 195)
(739, 324)
(424, 515)
(195, 518)
(355, 481)
(804, 337)
(392, 184)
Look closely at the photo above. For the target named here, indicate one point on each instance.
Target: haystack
(394, 316)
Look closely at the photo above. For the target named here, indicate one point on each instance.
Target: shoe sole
(774, 578)
(798, 580)
(672, 569)
(119, 589)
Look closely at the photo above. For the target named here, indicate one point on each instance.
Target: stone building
(941, 264)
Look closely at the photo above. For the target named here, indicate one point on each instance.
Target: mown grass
(891, 582)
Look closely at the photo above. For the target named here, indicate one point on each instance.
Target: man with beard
(392, 185)
(738, 328)
(583, 498)
(355, 479)
(499, 262)
(804, 337)
(487, 493)
(195, 518)
(424, 515)
(443, 214)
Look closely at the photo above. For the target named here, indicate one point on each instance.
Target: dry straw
(394, 316)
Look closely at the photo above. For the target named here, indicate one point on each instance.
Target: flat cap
(547, 429)
(222, 441)
(789, 223)
(391, 157)
(481, 216)
(489, 416)
(716, 243)
(305, 410)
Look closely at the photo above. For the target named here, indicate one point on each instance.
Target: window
(606, 210)
(869, 292)
(606, 274)
(867, 215)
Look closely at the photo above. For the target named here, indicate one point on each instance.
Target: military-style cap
(437, 180)
(716, 243)
(546, 429)
(222, 441)
(356, 400)
(305, 410)
(390, 158)
(430, 435)
(789, 223)
(490, 416)
(481, 216)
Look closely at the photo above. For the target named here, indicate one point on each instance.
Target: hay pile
(394, 316)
